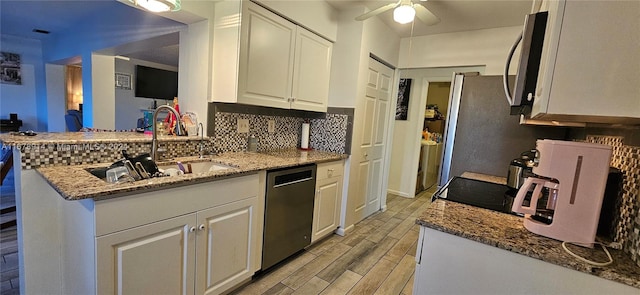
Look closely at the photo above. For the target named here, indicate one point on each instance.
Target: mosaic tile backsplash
(78, 154)
(327, 134)
(627, 225)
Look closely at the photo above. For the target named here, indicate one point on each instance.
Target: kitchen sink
(199, 167)
(196, 168)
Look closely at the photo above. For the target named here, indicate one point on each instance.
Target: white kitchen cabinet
(449, 264)
(217, 244)
(326, 206)
(590, 65)
(280, 64)
(158, 258)
(226, 243)
(204, 238)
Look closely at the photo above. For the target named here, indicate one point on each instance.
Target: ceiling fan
(403, 12)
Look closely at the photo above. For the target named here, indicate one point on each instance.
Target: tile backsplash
(329, 132)
(627, 225)
(47, 155)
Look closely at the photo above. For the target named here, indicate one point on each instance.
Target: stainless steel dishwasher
(288, 214)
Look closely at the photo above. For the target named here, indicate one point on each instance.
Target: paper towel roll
(304, 140)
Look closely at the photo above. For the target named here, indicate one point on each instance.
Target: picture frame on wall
(123, 81)
(402, 106)
(10, 72)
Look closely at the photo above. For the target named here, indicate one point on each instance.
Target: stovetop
(488, 195)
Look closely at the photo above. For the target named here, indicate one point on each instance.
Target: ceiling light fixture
(158, 5)
(404, 14)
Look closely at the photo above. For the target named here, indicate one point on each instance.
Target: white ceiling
(21, 17)
(455, 15)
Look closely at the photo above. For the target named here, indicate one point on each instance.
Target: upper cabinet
(590, 65)
(280, 64)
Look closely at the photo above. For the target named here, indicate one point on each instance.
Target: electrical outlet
(271, 126)
(243, 125)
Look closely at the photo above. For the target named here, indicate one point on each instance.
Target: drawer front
(331, 169)
(117, 214)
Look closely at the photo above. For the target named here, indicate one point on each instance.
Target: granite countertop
(76, 183)
(85, 137)
(507, 232)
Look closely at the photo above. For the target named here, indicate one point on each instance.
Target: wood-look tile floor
(9, 279)
(376, 257)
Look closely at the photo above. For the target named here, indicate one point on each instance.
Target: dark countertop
(507, 232)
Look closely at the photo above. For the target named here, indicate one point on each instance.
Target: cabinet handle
(192, 229)
(201, 227)
(317, 191)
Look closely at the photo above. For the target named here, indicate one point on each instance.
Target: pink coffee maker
(566, 194)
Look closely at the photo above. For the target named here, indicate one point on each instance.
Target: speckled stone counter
(45, 138)
(76, 183)
(507, 232)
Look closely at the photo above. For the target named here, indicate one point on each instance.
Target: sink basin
(199, 167)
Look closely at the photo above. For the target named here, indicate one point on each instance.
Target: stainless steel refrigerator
(481, 136)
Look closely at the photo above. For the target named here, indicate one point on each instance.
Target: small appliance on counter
(520, 169)
(567, 191)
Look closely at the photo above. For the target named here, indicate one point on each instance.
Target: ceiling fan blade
(376, 11)
(425, 15)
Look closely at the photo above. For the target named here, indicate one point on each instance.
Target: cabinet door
(152, 259)
(227, 244)
(311, 73)
(266, 58)
(326, 207)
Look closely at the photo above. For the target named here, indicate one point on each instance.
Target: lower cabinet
(450, 264)
(206, 251)
(328, 200)
(158, 258)
(224, 245)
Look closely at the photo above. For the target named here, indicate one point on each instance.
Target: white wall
(194, 77)
(128, 107)
(103, 92)
(345, 59)
(56, 98)
(405, 148)
(488, 48)
(350, 58)
(23, 99)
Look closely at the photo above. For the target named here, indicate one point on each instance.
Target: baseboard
(398, 193)
(343, 231)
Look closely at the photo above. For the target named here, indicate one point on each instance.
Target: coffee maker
(566, 190)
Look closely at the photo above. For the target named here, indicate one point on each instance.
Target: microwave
(532, 39)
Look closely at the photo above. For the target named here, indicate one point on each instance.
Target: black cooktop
(488, 195)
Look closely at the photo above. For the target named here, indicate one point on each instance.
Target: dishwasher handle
(292, 182)
(294, 176)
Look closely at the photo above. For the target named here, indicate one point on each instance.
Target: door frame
(429, 75)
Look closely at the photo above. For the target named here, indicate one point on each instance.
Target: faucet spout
(154, 142)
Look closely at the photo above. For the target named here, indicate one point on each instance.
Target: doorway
(430, 156)
(407, 134)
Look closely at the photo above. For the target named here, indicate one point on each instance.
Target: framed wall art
(10, 72)
(123, 81)
(402, 106)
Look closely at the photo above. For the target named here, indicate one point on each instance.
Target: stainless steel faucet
(201, 145)
(154, 142)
